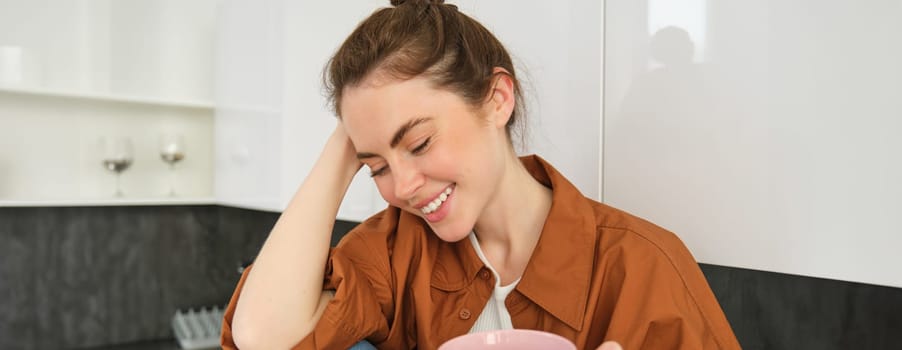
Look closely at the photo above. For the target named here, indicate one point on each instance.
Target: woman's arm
(283, 297)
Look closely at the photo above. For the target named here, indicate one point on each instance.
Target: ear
(502, 98)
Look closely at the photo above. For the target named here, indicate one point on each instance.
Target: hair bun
(397, 3)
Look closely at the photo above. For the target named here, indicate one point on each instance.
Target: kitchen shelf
(258, 205)
(103, 202)
(140, 100)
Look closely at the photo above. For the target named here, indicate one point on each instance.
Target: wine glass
(118, 154)
(172, 150)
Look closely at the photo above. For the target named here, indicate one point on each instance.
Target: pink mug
(519, 339)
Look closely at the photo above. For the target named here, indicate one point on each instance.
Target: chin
(451, 228)
(450, 235)
(452, 238)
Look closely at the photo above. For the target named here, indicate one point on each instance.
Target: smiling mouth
(436, 203)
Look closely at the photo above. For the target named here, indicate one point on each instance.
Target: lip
(426, 202)
(441, 212)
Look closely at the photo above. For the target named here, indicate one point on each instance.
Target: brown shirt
(596, 274)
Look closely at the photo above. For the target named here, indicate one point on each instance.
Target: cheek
(387, 190)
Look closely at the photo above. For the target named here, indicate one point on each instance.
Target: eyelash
(419, 149)
(416, 151)
(381, 171)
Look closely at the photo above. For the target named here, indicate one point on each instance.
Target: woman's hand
(610, 345)
(339, 145)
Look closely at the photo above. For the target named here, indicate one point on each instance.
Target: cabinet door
(247, 163)
(272, 118)
(556, 48)
(248, 105)
(313, 30)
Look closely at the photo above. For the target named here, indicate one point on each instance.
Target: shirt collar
(558, 275)
(453, 260)
(564, 256)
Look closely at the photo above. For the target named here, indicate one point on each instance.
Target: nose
(408, 179)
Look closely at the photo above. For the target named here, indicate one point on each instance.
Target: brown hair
(423, 37)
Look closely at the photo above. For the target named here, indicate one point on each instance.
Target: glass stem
(172, 179)
(118, 186)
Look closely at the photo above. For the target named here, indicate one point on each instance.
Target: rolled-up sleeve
(362, 295)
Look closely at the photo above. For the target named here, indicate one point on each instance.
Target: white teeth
(437, 203)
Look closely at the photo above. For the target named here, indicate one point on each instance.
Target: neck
(510, 226)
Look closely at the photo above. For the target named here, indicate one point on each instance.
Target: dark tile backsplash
(93, 276)
(75, 277)
(778, 311)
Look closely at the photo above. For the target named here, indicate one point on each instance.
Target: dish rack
(198, 328)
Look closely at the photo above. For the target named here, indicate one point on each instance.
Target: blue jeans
(363, 345)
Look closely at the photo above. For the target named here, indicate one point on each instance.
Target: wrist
(339, 156)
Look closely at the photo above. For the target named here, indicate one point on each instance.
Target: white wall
(555, 46)
(314, 30)
(771, 142)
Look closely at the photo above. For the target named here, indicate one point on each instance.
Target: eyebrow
(398, 136)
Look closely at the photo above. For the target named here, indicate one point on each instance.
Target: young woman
(475, 238)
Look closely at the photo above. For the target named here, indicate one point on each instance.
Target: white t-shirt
(494, 316)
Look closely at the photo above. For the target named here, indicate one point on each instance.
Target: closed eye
(379, 172)
(419, 149)
(422, 147)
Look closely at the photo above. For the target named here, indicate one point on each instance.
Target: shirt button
(465, 314)
(484, 274)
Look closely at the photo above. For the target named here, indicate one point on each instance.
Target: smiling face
(430, 153)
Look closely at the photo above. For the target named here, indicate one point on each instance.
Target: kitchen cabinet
(156, 50)
(74, 71)
(271, 118)
(109, 98)
(257, 126)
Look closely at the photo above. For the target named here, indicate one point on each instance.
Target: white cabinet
(764, 133)
(272, 119)
(73, 71)
(143, 49)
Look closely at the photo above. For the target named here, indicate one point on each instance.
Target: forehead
(375, 94)
(373, 110)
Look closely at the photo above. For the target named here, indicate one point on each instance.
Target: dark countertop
(160, 344)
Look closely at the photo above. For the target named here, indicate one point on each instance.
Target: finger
(610, 345)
